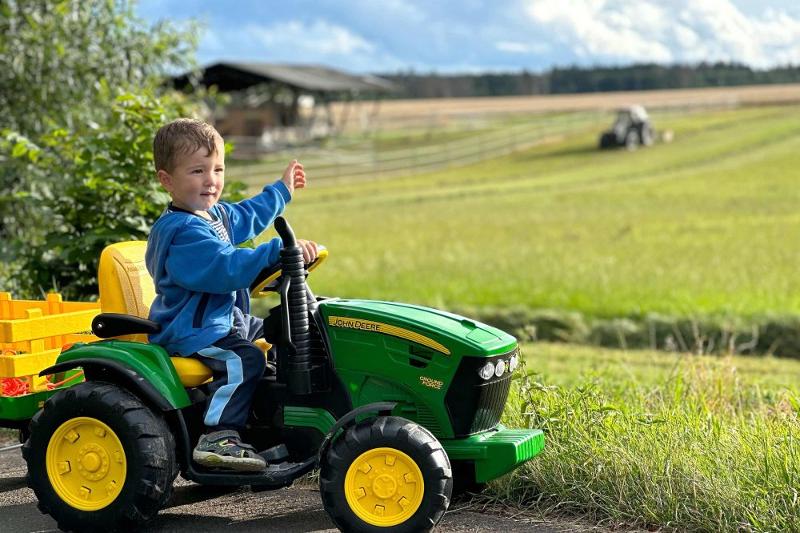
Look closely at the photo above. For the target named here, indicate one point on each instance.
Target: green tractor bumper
(496, 452)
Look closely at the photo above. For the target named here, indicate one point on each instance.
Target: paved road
(196, 508)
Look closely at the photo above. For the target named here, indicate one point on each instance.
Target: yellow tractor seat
(191, 372)
(127, 288)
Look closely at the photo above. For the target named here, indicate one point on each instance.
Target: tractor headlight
(513, 363)
(487, 370)
(500, 368)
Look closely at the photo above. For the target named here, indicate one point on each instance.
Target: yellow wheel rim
(86, 463)
(384, 487)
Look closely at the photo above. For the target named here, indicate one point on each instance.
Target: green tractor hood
(444, 332)
(423, 359)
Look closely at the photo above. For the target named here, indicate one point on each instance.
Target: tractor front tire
(646, 135)
(387, 474)
(99, 459)
(631, 140)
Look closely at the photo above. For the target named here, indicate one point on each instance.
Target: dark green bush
(776, 335)
(86, 191)
(82, 98)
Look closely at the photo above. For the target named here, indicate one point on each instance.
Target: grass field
(413, 150)
(706, 224)
(569, 365)
(677, 442)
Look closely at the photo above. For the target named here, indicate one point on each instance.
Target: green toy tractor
(394, 403)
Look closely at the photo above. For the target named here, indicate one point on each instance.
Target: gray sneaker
(224, 449)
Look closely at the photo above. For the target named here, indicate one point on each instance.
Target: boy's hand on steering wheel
(310, 250)
(294, 177)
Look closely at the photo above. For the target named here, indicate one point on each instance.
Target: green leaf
(19, 150)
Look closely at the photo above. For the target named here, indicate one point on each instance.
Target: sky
(470, 36)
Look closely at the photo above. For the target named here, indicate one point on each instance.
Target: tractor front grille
(475, 405)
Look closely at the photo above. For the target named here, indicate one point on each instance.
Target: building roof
(235, 76)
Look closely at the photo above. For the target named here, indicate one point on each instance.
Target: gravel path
(296, 509)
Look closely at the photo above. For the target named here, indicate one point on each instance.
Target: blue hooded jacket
(197, 274)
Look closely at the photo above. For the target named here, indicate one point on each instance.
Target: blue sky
(448, 36)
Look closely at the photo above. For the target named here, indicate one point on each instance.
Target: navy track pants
(237, 365)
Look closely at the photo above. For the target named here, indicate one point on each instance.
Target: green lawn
(657, 440)
(705, 224)
(567, 365)
(404, 139)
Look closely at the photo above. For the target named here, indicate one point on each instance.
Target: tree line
(640, 77)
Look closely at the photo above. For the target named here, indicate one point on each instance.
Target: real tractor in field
(631, 129)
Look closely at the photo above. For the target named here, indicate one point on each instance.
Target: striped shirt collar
(215, 223)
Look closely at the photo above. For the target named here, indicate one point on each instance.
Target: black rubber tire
(401, 434)
(646, 136)
(631, 140)
(149, 451)
(607, 140)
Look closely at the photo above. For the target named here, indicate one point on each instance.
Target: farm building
(273, 103)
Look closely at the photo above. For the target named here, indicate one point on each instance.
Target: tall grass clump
(701, 451)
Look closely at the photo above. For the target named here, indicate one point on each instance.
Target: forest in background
(575, 79)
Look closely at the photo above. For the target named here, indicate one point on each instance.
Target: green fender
(145, 368)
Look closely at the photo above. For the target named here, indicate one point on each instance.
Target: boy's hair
(182, 136)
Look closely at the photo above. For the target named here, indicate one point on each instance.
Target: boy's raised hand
(310, 250)
(294, 177)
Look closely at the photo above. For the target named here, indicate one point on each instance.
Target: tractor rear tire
(386, 474)
(99, 459)
(607, 140)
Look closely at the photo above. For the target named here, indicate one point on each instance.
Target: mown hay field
(392, 114)
(707, 224)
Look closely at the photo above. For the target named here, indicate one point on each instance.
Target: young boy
(201, 278)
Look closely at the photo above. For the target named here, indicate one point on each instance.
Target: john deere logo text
(354, 324)
(386, 329)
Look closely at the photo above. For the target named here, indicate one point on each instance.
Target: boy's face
(196, 182)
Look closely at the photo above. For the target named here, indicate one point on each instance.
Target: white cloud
(319, 38)
(318, 42)
(600, 31)
(516, 47)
